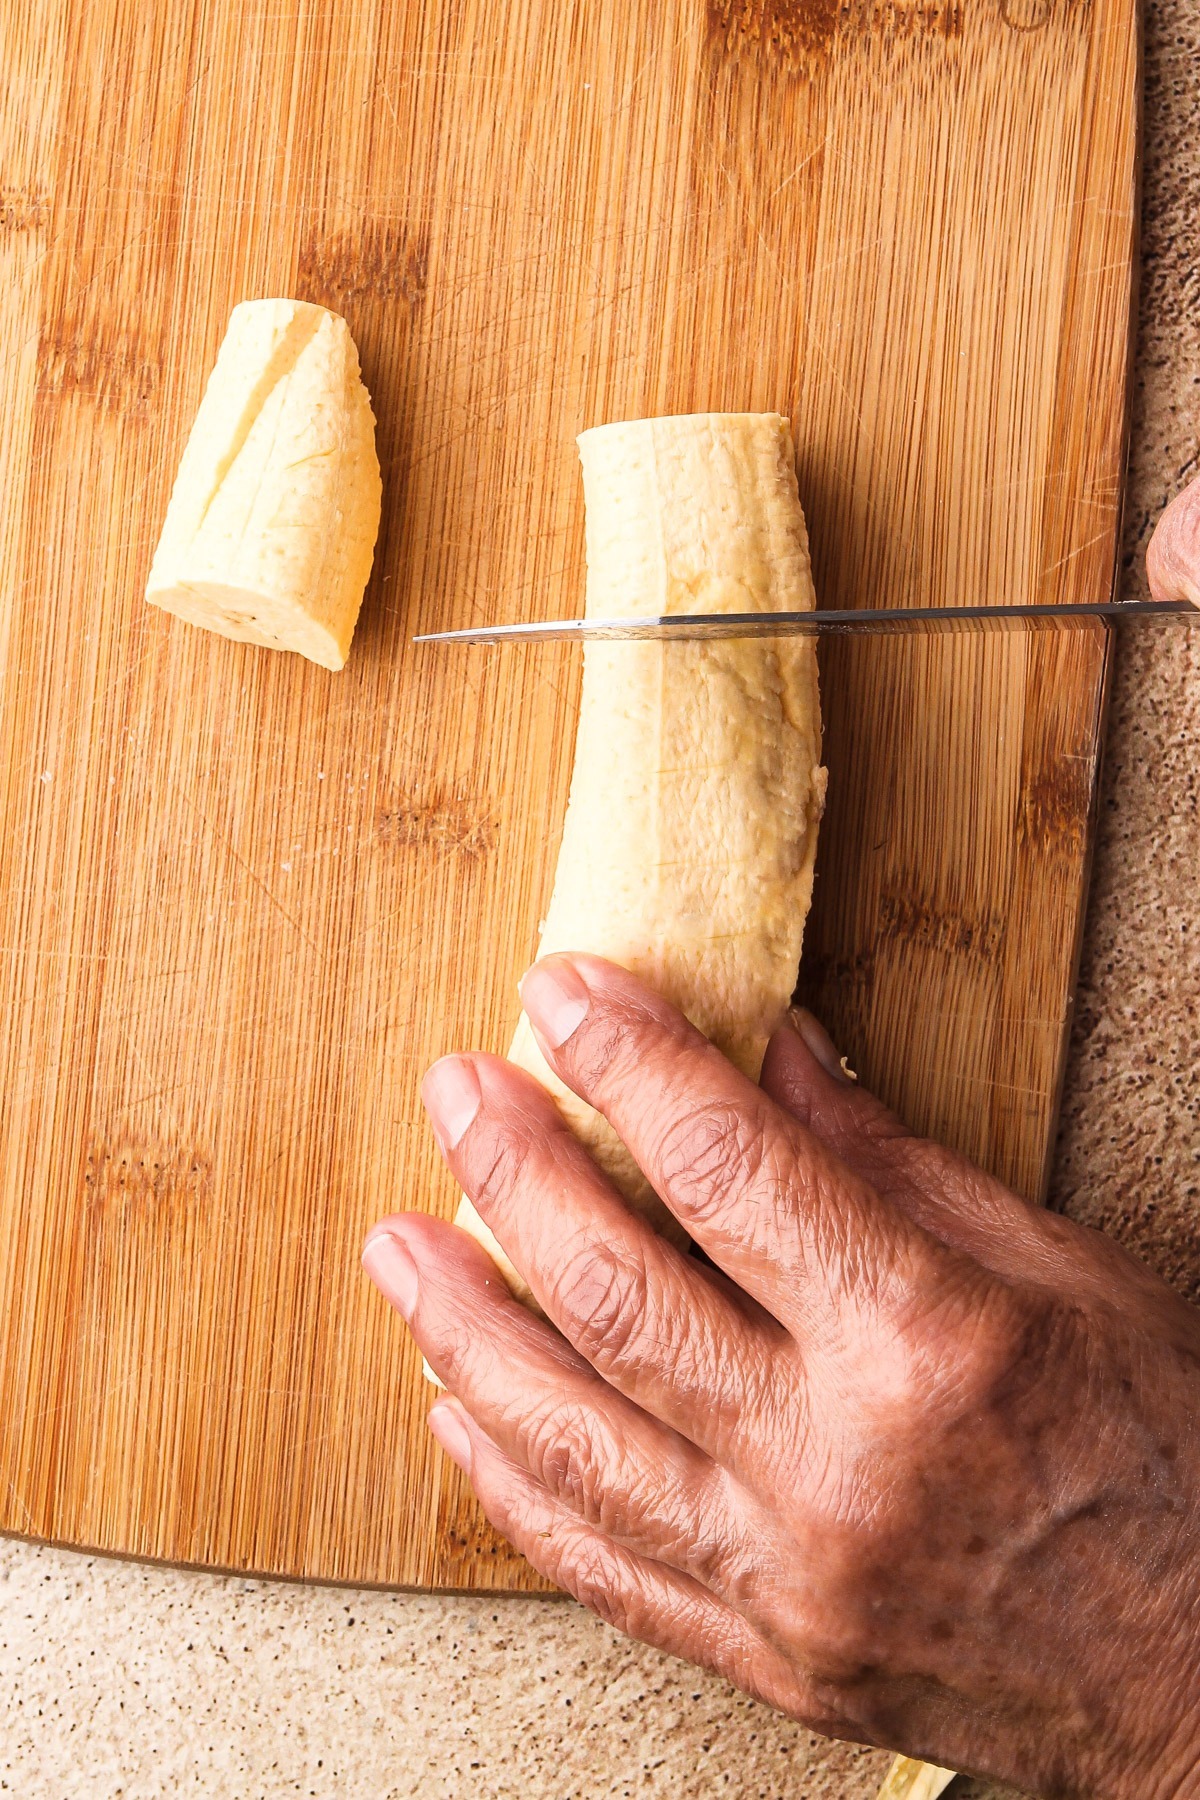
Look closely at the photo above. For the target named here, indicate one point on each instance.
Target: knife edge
(867, 621)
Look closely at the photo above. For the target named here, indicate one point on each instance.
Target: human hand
(916, 1463)
(1173, 557)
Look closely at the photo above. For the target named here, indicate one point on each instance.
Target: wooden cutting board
(245, 902)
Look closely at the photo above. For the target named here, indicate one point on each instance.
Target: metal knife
(884, 620)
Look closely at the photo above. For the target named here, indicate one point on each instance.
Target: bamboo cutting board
(245, 902)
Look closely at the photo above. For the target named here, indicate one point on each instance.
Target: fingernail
(450, 1093)
(820, 1044)
(555, 1000)
(450, 1432)
(390, 1265)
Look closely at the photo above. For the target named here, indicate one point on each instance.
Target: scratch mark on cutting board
(130, 1043)
(257, 879)
(1101, 537)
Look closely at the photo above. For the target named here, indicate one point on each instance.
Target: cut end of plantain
(271, 527)
(255, 617)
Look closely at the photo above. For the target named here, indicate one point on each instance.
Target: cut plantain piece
(271, 527)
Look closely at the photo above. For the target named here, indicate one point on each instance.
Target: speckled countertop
(117, 1680)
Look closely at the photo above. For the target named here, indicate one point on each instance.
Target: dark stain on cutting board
(808, 29)
(376, 261)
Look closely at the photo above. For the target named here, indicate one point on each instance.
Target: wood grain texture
(245, 902)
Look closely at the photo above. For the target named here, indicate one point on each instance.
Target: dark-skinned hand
(915, 1462)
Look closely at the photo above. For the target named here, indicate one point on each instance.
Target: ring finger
(637, 1480)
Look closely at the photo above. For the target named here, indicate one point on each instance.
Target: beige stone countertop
(120, 1680)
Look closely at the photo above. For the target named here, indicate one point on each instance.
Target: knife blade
(868, 621)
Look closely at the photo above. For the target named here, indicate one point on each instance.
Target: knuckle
(501, 1168)
(593, 1579)
(604, 1298)
(715, 1551)
(454, 1345)
(977, 1346)
(918, 1371)
(840, 1611)
(928, 1394)
(565, 1455)
(841, 1636)
(1013, 1347)
(925, 1164)
(717, 1152)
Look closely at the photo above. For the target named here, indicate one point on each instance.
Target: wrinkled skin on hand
(915, 1462)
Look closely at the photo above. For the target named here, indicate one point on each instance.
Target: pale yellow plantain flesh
(909, 1780)
(271, 527)
(688, 844)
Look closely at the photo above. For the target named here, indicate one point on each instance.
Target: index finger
(769, 1203)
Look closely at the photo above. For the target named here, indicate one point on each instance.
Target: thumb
(1173, 559)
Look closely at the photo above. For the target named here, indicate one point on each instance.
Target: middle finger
(672, 1336)
(788, 1221)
